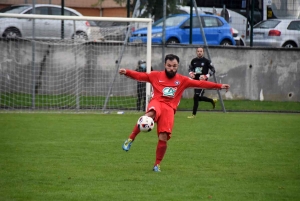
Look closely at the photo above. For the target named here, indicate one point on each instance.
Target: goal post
(42, 71)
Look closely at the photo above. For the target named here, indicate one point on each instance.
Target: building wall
(109, 8)
(253, 73)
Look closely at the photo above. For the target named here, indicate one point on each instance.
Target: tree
(153, 8)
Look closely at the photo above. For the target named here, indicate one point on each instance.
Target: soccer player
(201, 69)
(168, 87)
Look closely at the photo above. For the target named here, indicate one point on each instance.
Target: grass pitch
(217, 156)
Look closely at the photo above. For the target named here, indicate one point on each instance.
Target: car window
(294, 25)
(206, 22)
(196, 23)
(57, 11)
(268, 24)
(170, 21)
(14, 9)
(39, 11)
(211, 21)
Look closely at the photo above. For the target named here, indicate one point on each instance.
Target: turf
(216, 156)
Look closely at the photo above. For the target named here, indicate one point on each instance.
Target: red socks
(134, 132)
(160, 151)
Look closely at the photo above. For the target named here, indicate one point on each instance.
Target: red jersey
(169, 90)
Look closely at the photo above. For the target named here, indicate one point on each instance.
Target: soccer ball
(145, 123)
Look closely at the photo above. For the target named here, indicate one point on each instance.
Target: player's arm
(140, 76)
(211, 71)
(191, 70)
(206, 85)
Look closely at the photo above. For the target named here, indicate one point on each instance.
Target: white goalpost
(43, 68)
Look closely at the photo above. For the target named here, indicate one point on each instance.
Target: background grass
(23, 101)
(217, 156)
(243, 105)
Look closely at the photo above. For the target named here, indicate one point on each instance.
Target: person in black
(201, 69)
(141, 87)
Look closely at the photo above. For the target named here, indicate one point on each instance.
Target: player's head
(142, 64)
(171, 65)
(200, 52)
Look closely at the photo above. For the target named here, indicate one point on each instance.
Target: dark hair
(141, 62)
(171, 57)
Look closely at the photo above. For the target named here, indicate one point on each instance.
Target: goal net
(70, 63)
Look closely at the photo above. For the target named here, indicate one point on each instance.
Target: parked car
(276, 33)
(235, 20)
(113, 30)
(216, 29)
(239, 40)
(46, 28)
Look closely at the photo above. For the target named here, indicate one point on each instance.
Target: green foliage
(216, 156)
(155, 8)
(98, 3)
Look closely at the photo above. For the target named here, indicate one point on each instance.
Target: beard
(170, 74)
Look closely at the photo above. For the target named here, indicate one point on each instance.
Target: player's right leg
(151, 112)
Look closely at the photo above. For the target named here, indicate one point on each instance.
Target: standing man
(201, 69)
(168, 87)
(141, 87)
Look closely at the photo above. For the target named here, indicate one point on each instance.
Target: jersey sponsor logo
(198, 70)
(169, 91)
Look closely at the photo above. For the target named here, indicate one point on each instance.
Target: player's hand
(122, 71)
(202, 77)
(192, 74)
(225, 86)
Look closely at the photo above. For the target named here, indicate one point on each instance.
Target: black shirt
(201, 66)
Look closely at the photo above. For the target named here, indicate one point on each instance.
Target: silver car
(46, 28)
(277, 33)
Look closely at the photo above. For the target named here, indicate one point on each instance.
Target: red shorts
(164, 117)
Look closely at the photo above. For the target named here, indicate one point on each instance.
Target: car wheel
(80, 36)
(172, 41)
(12, 33)
(289, 45)
(226, 42)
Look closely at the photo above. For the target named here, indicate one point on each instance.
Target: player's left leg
(164, 129)
(196, 103)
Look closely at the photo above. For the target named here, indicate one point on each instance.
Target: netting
(44, 71)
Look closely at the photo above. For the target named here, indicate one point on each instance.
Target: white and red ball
(145, 123)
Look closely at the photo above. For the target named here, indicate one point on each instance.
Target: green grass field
(217, 156)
